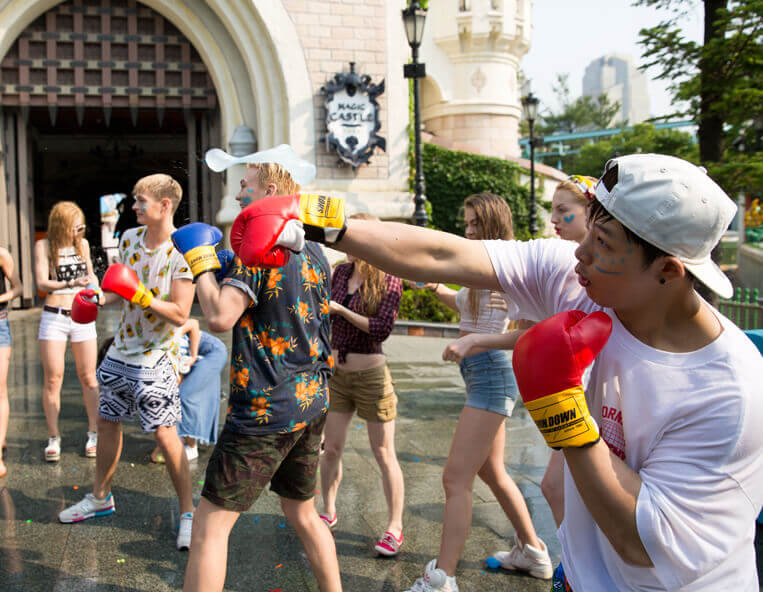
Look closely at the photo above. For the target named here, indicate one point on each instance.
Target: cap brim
(711, 275)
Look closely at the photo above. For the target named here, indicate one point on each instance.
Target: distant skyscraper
(617, 77)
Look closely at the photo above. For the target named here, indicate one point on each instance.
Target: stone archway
(246, 46)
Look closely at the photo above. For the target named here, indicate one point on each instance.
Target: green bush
(423, 305)
(451, 176)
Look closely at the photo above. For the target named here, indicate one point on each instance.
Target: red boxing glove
(85, 306)
(122, 280)
(549, 360)
(256, 229)
(259, 227)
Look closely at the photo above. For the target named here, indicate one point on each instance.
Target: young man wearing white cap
(666, 499)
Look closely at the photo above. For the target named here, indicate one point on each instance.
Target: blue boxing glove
(197, 244)
(225, 257)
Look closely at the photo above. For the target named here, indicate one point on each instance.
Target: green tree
(719, 78)
(643, 137)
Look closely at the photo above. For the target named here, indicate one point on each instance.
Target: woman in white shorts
(63, 268)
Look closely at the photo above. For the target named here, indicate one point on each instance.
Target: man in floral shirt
(280, 365)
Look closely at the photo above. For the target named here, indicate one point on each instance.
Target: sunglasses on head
(585, 185)
(79, 228)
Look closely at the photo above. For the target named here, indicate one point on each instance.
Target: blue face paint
(600, 270)
(247, 199)
(569, 218)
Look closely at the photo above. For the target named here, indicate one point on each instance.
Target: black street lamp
(530, 109)
(413, 18)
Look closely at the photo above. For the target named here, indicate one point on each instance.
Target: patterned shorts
(152, 392)
(559, 582)
(241, 466)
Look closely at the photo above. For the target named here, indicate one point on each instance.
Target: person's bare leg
(107, 455)
(208, 555)
(552, 486)
(85, 357)
(471, 446)
(177, 465)
(191, 442)
(494, 474)
(334, 437)
(52, 357)
(381, 435)
(317, 541)
(5, 411)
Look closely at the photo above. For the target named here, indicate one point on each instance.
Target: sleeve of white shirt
(538, 277)
(179, 267)
(690, 509)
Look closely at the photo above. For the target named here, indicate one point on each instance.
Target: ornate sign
(352, 116)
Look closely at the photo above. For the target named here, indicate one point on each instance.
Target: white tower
(472, 49)
(617, 77)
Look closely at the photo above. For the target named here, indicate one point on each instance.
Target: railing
(745, 309)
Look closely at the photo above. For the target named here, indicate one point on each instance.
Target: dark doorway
(82, 163)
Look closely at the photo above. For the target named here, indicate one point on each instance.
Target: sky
(569, 34)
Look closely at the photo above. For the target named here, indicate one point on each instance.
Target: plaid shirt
(346, 337)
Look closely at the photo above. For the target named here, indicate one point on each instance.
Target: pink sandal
(389, 545)
(331, 523)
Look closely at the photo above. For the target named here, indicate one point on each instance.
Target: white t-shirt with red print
(690, 424)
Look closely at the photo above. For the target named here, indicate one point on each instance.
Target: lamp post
(414, 17)
(530, 109)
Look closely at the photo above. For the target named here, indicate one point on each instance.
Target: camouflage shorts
(241, 466)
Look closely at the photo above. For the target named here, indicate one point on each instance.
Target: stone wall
(334, 33)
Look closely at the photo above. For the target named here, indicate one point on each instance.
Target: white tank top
(70, 266)
(489, 320)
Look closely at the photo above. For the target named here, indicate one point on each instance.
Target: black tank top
(4, 305)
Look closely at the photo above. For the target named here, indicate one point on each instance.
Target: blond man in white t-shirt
(666, 499)
(139, 374)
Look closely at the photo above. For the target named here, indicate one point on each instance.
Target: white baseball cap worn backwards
(673, 205)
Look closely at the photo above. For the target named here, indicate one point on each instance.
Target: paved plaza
(134, 549)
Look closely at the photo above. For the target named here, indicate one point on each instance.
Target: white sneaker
(184, 531)
(89, 507)
(91, 446)
(529, 559)
(434, 580)
(53, 449)
(191, 452)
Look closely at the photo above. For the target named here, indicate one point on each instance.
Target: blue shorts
(490, 382)
(5, 330)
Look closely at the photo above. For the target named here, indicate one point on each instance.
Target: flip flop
(157, 458)
(331, 523)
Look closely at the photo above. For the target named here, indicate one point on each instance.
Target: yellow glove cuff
(202, 258)
(142, 296)
(563, 419)
(323, 212)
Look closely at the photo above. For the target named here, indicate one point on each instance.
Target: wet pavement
(134, 549)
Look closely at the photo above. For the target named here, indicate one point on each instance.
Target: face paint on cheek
(247, 198)
(142, 208)
(569, 218)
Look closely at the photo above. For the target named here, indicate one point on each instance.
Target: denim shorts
(5, 331)
(490, 382)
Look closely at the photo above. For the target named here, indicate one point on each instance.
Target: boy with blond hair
(280, 365)
(139, 373)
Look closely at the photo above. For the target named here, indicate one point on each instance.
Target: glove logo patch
(321, 210)
(563, 418)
